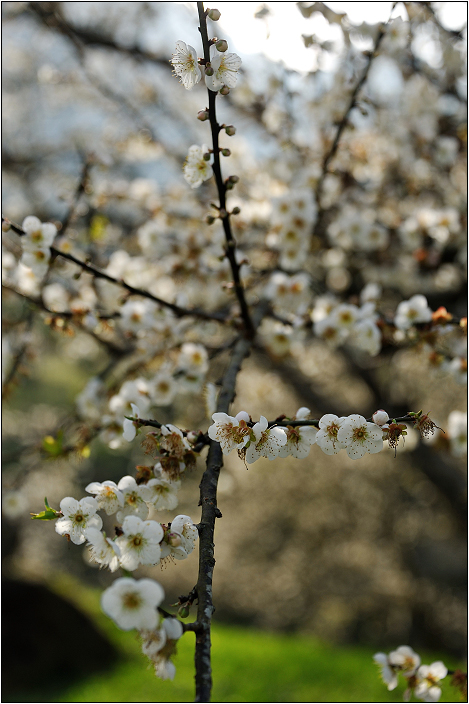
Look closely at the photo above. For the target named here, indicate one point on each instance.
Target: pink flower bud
(224, 90)
(209, 71)
(222, 45)
(202, 115)
(230, 130)
(226, 152)
(214, 15)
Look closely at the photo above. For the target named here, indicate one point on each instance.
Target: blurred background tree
(95, 134)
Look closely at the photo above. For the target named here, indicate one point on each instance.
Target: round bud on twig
(202, 115)
(233, 179)
(230, 130)
(214, 15)
(206, 156)
(222, 45)
(5, 226)
(183, 611)
(226, 152)
(236, 210)
(224, 91)
(209, 71)
(209, 219)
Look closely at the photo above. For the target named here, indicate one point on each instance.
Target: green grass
(248, 666)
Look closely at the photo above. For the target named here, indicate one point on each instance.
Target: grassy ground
(248, 666)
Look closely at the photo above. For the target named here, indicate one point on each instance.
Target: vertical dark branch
(210, 511)
(230, 249)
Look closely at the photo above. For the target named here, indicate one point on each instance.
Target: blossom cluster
(34, 263)
(422, 680)
(132, 604)
(353, 433)
(138, 541)
(224, 67)
(135, 397)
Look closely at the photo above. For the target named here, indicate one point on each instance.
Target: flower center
(131, 600)
(359, 434)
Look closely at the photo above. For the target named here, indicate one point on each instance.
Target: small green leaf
(48, 515)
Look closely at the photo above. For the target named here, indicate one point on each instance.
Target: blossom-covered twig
(99, 274)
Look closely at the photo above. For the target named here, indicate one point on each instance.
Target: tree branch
(99, 274)
(230, 249)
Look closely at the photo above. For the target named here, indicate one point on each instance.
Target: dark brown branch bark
(210, 511)
(230, 249)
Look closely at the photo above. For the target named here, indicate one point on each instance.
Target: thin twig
(230, 249)
(99, 274)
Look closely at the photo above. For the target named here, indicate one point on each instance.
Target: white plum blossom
(405, 660)
(153, 641)
(415, 310)
(140, 543)
(14, 503)
(131, 392)
(163, 388)
(225, 67)
(366, 335)
(162, 493)
(327, 435)
(231, 433)
(428, 677)
(299, 441)
(360, 436)
(38, 235)
(185, 65)
(165, 669)
(132, 603)
(129, 426)
(196, 169)
(135, 497)
(108, 496)
(138, 315)
(173, 628)
(187, 529)
(265, 441)
(77, 517)
(193, 358)
(103, 550)
(388, 674)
